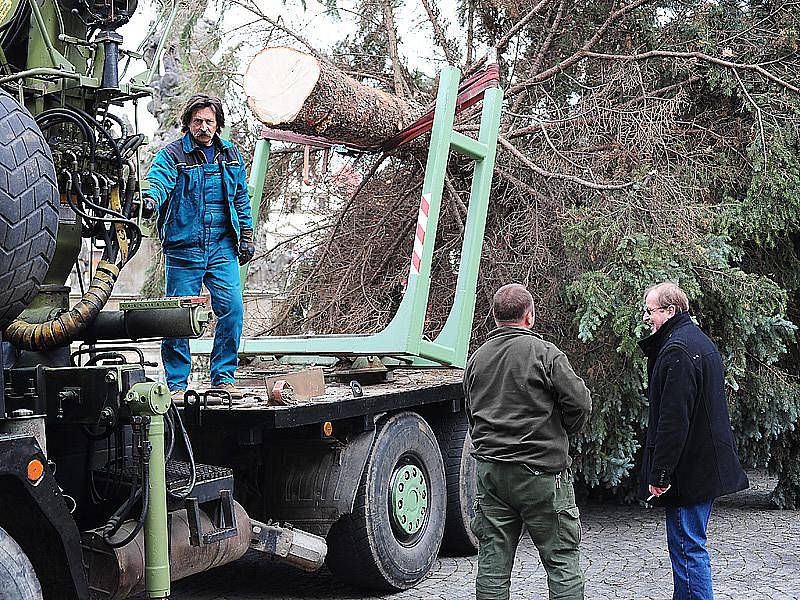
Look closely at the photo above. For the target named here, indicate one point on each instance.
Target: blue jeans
(213, 262)
(686, 539)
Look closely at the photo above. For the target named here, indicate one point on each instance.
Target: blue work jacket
(176, 180)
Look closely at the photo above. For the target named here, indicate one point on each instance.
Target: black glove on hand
(246, 246)
(148, 207)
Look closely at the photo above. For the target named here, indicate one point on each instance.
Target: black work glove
(148, 207)
(246, 246)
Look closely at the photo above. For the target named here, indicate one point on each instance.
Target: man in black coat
(690, 456)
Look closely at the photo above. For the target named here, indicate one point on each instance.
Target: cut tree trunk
(291, 90)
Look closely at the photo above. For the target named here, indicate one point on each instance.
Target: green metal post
(41, 50)
(409, 320)
(258, 173)
(152, 399)
(403, 337)
(456, 331)
(146, 77)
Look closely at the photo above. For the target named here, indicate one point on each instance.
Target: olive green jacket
(523, 399)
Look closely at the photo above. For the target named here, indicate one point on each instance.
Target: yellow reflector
(35, 470)
(327, 429)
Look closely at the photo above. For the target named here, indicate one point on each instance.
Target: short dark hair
(197, 102)
(511, 302)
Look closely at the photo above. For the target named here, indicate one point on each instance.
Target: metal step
(210, 480)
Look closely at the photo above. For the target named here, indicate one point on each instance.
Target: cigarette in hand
(651, 496)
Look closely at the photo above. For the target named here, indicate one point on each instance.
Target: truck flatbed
(409, 388)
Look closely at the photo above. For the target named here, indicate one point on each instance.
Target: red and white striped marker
(419, 239)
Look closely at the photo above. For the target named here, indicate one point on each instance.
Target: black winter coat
(689, 438)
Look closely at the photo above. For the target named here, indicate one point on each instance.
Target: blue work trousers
(686, 539)
(213, 262)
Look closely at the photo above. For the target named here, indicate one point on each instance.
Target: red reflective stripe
(420, 233)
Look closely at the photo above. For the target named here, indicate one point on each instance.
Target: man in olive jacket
(690, 455)
(523, 399)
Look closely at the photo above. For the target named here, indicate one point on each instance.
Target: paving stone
(755, 554)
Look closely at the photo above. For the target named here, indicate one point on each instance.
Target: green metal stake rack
(403, 337)
(256, 188)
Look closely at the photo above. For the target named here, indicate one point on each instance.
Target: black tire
(452, 432)
(28, 208)
(17, 578)
(366, 548)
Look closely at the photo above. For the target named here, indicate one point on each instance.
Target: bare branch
(759, 116)
(573, 178)
(701, 56)
(438, 32)
(251, 6)
(537, 63)
(470, 30)
(400, 85)
(503, 42)
(577, 56)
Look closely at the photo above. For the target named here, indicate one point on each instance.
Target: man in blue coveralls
(198, 189)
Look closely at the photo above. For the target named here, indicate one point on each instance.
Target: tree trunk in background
(292, 90)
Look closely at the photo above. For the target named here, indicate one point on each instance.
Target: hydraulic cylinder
(153, 400)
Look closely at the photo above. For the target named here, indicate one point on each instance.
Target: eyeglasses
(649, 311)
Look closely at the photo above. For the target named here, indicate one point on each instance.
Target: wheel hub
(409, 499)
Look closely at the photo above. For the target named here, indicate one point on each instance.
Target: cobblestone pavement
(755, 553)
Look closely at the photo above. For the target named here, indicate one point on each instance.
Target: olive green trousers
(512, 496)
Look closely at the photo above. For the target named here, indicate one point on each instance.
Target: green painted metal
(68, 242)
(153, 400)
(44, 29)
(457, 329)
(409, 497)
(469, 147)
(146, 77)
(7, 10)
(258, 173)
(156, 303)
(403, 337)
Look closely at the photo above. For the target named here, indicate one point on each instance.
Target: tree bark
(291, 90)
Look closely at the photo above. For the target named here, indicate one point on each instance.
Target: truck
(352, 451)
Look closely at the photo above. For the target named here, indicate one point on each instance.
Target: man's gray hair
(511, 302)
(669, 294)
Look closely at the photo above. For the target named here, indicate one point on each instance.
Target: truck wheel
(391, 539)
(28, 208)
(452, 431)
(17, 578)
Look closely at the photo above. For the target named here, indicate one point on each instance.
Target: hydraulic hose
(106, 134)
(117, 519)
(184, 493)
(115, 522)
(118, 120)
(57, 116)
(61, 330)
